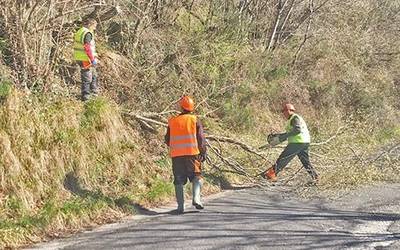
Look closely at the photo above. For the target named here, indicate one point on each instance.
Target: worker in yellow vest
(186, 141)
(299, 140)
(86, 57)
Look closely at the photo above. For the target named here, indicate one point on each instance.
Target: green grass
(164, 162)
(3, 45)
(276, 73)
(159, 190)
(386, 134)
(45, 137)
(94, 110)
(66, 136)
(21, 229)
(5, 89)
(70, 164)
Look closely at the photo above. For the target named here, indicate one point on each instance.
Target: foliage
(159, 190)
(64, 163)
(95, 109)
(5, 89)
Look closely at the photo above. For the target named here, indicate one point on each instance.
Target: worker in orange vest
(186, 141)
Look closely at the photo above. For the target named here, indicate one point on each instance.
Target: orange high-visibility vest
(182, 137)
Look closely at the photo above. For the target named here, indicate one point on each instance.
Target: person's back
(186, 142)
(183, 140)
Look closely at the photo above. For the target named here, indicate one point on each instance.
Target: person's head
(288, 110)
(90, 23)
(186, 103)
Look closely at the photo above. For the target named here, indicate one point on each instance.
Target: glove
(273, 139)
(202, 157)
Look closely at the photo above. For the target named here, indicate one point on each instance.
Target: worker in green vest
(86, 57)
(298, 138)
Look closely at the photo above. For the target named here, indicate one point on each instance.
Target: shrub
(5, 89)
(93, 114)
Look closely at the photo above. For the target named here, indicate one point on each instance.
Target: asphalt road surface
(254, 218)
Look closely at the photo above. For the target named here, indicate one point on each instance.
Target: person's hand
(202, 157)
(273, 139)
(95, 62)
(270, 137)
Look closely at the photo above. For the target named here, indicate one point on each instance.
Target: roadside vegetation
(67, 165)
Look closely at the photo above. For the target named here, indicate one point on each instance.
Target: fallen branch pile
(229, 155)
(216, 158)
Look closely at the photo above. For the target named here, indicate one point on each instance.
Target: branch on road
(219, 159)
(152, 121)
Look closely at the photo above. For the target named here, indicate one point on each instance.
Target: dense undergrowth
(66, 165)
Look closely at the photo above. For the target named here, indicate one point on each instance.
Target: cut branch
(244, 146)
(150, 121)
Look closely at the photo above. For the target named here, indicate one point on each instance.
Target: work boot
(180, 199)
(196, 188)
(270, 175)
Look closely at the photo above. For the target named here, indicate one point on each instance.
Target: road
(254, 218)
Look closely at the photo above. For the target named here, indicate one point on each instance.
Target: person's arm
(166, 137)
(88, 48)
(296, 129)
(201, 140)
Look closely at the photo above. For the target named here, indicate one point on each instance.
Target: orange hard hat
(187, 103)
(288, 107)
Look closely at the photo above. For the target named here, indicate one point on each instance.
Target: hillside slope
(67, 164)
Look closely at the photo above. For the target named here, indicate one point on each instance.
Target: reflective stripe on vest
(79, 50)
(303, 136)
(183, 140)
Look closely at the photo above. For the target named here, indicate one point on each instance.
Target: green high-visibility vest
(79, 50)
(304, 136)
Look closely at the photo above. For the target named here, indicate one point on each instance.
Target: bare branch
(305, 33)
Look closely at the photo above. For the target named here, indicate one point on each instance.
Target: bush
(95, 109)
(3, 45)
(237, 115)
(5, 89)
(159, 190)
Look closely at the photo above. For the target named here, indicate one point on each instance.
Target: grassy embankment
(66, 165)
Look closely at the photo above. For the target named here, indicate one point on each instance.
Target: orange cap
(187, 103)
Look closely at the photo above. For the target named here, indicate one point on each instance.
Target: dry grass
(65, 164)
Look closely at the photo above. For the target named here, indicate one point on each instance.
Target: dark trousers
(291, 150)
(186, 168)
(89, 82)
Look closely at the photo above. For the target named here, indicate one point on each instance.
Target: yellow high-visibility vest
(304, 136)
(79, 50)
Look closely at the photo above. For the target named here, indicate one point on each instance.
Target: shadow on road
(245, 219)
(251, 219)
(72, 184)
